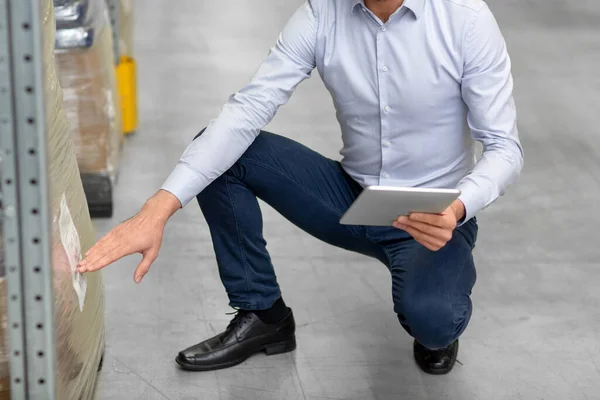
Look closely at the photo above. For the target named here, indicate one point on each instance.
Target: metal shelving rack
(25, 213)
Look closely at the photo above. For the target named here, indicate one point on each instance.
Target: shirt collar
(416, 6)
(356, 3)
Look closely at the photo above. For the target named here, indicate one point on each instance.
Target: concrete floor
(535, 333)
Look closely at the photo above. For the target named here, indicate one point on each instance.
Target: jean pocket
(469, 231)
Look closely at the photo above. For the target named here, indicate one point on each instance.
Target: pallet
(98, 189)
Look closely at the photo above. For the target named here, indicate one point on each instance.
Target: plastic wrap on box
(125, 28)
(92, 103)
(4, 366)
(70, 13)
(78, 22)
(79, 332)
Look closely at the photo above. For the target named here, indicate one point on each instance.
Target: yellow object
(127, 80)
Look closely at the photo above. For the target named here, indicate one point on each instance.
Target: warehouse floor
(535, 333)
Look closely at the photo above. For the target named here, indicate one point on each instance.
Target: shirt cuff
(471, 199)
(185, 183)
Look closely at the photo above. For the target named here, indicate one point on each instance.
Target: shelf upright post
(10, 221)
(25, 214)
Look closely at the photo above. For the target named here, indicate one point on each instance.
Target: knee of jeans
(431, 322)
(199, 134)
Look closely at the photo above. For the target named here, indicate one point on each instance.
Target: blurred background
(137, 90)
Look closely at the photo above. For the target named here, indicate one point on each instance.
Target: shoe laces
(445, 352)
(240, 317)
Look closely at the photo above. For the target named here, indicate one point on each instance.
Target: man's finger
(102, 260)
(105, 244)
(427, 241)
(431, 219)
(95, 248)
(144, 267)
(430, 230)
(115, 235)
(96, 252)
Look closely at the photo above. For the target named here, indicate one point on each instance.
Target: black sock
(275, 314)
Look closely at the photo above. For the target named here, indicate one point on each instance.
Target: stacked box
(86, 66)
(79, 331)
(79, 320)
(91, 103)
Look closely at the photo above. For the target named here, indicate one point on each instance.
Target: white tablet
(381, 205)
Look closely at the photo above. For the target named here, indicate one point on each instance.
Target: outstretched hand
(433, 231)
(141, 234)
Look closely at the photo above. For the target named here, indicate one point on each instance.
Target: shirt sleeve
(487, 87)
(228, 136)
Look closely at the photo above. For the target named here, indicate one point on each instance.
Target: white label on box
(72, 245)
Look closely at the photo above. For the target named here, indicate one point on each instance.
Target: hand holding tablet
(382, 205)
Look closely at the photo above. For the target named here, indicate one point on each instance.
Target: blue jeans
(430, 290)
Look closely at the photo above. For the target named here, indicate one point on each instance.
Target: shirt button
(386, 108)
(387, 143)
(384, 69)
(386, 175)
(383, 29)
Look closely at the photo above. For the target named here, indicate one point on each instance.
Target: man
(414, 83)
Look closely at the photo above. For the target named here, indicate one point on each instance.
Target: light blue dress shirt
(412, 96)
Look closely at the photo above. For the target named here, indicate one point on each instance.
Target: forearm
(492, 175)
(227, 137)
(223, 142)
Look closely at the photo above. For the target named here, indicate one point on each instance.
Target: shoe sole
(270, 349)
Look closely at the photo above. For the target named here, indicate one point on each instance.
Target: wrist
(459, 210)
(162, 205)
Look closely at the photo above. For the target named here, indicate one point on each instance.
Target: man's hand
(140, 234)
(433, 230)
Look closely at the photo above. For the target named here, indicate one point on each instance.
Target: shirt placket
(382, 80)
(386, 104)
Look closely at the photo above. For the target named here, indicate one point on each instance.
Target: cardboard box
(92, 102)
(79, 332)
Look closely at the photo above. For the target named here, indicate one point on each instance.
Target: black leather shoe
(436, 362)
(246, 335)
